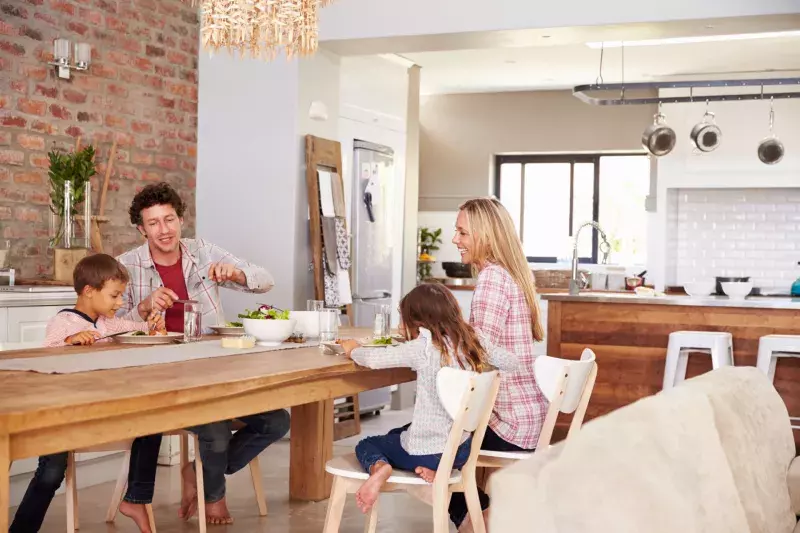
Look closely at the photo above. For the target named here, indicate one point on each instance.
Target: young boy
(100, 282)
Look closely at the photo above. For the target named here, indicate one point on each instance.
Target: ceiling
(558, 58)
(559, 67)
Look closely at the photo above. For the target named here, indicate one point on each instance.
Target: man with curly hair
(164, 271)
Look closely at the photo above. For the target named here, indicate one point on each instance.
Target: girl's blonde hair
(433, 307)
(495, 240)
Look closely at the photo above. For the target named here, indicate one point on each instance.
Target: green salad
(265, 312)
(138, 334)
(234, 324)
(382, 340)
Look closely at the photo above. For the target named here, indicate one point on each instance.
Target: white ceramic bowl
(269, 332)
(737, 290)
(699, 289)
(307, 322)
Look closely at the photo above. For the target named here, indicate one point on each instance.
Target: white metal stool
(717, 344)
(772, 347)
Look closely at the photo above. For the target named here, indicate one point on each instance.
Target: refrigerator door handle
(377, 295)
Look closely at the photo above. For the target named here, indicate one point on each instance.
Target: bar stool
(772, 347)
(717, 344)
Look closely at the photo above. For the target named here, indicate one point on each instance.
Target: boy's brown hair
(95, 270)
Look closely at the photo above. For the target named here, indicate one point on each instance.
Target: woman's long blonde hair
(495, 240)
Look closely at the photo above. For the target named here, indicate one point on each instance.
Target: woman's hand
(84, 338)
(349, 345)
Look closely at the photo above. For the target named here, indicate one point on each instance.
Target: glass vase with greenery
(70, 175)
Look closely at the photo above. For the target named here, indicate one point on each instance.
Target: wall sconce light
(67, 58)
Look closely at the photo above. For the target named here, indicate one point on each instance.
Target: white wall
(372, 108)
(248, 167)
(358, 19)
(734, 232)
(733, 165)
(319, 82)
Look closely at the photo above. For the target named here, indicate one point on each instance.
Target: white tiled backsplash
(734, 232)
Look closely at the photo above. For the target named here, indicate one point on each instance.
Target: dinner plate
(228, 330)
(129, 338)
(373, 344)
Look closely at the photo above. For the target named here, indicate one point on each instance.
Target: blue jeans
(458, 503)
(50, 474)
(225, 453)
(387, 448)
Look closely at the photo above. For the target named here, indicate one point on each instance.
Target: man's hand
(155, 321)
(349, 345)
(222, 272)
(160, 300)
(84, 338)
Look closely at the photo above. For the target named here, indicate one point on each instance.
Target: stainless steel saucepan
(658, 139)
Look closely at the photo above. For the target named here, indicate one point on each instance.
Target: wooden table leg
(5, 482)
(311, 447)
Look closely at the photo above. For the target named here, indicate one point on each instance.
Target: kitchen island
(629, 335)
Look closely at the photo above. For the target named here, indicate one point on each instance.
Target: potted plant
(427, 243)
(70, 175)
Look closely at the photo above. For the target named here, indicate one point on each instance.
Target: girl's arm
(498, 357)
(490, 305)
(410, 354)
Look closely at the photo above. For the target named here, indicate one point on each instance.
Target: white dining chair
(468, 398)
(567, 384)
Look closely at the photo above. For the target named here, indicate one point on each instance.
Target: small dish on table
(230, 329)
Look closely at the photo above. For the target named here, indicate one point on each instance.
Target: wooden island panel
(630, 341)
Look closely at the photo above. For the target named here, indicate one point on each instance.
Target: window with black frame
(550, 196)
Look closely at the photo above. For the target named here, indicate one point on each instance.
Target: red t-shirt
(172, 277)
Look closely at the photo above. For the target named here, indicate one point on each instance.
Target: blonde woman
(504, 308)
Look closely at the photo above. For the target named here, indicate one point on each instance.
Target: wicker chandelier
(260, 27)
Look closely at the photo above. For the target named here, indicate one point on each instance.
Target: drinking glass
(383, 321)
(328, 325)
(192, 313)
(315, 305)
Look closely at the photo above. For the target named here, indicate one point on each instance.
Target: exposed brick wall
(141, 89)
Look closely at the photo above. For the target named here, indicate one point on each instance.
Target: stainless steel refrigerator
(371, 224)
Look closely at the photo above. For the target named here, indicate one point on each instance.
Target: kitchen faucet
(605, 248)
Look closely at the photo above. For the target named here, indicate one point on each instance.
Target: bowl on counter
(722, 279)
(737, 290)
(457, 270)
(631, 282)
(699, 289)
(269, 332)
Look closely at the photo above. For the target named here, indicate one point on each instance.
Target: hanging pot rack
(580, 91)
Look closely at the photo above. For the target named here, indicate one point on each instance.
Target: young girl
(437, 337)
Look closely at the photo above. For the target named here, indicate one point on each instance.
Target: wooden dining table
(48, 413)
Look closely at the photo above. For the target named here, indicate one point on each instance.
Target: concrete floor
(399, 513)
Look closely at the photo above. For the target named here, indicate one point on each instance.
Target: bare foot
(425, 473)
(367, 495)
(137, 513)
(217, 513)
(189, 501)
(466, 525)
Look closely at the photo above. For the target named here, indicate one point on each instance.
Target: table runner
(89, 361)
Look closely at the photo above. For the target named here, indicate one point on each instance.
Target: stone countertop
(755, 302)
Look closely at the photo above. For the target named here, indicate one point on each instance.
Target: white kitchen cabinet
(28, 324)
